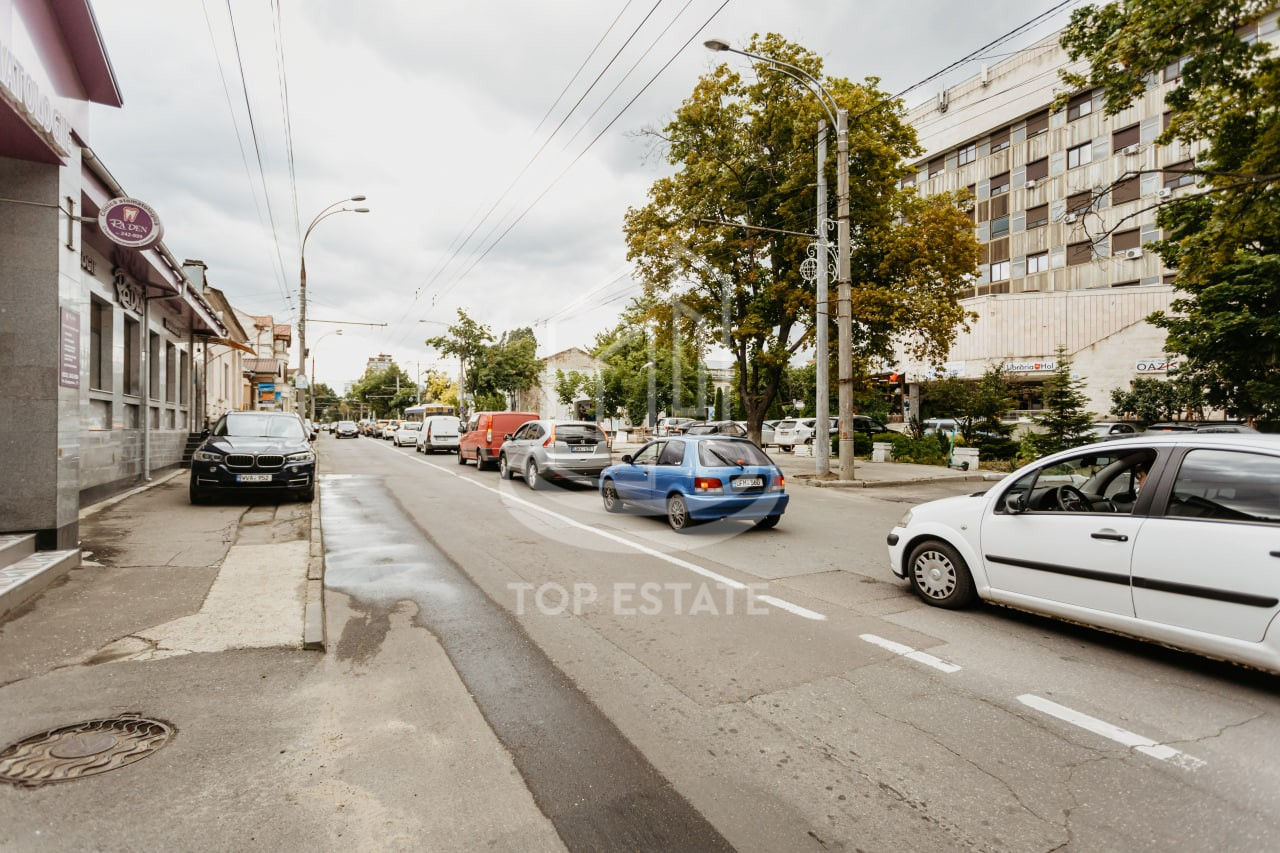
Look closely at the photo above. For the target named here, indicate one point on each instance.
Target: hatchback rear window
(786, 425)
(577, 433)
(723, 452)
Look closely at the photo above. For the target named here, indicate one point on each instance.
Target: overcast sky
(431, 109)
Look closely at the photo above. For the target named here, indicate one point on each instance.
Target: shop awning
(227, 342)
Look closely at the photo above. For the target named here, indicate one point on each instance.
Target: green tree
(742, 149)
(988, 399)
(439, 388)
(1224, 238)
(1150, 400)
(625, 350)
(468, 341)
(512, 364)
(385, 391)
(1064, 420)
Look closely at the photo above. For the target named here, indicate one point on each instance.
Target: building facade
(96, 338)
(267, 370)
(1064, 203)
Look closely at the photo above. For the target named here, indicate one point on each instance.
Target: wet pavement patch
(597, 789)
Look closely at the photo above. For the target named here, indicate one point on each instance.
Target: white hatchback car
(792, 431)
(1173, 538)
(406, 433)
(439, 432)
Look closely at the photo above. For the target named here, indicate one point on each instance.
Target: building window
(908, 181)
(1038, 170)
(1037, 124)
(999, 140)
(1177, 174)
(1122, 139)
(1080, 155)
(1000, 227)
(1122, 240)
(967, 154)
(1173, 70)
(99, 344)
(184, 376)
(1079, 202)
(1165, 119)
(1080, 106)
(1000, 183)
(1133, 282)
(153, 365)
(1079, 253)
(170, 373)
(1000, 271)
(1037, 216)
(1127, 190)
(132, 357)
(1037, 263)
(936, 166)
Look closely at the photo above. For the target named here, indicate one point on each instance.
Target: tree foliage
(493, 372)
(1224, 239)
(1064, 421)
(743, 151)
(643, 335)
(386, 391)
(1150, 400)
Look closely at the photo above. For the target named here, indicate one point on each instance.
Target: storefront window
(99, 345)
(132, 358)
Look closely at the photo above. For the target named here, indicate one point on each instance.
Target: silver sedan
(541, 451)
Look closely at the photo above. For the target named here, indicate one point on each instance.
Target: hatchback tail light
(551, 438)
(708, 485)
(779, 483)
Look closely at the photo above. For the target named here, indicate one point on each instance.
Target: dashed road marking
(787, 606)
(908, 652)
(1145, 745)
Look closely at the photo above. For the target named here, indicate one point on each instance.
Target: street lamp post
(844, 274)
(302, 278)
(312, 394)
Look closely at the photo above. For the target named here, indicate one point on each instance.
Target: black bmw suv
(254, 452)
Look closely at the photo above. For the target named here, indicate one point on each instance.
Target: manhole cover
(83, 749)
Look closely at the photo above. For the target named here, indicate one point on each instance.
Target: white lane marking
(908, 652)
(1145, 745)
(612, 537)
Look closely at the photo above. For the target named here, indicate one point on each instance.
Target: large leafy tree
(1223, 238)
(493, 372)
(1064, 422)
(385, 391)
(743, 152)
(640, 337)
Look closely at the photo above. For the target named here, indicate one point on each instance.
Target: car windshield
(346, 425)
(412, 425)
(721, 452)
(248, 425)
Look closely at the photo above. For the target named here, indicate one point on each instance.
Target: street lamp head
(357, 198)
(716, 45)
(360, 210)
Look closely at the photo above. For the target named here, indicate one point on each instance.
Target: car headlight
(906, 519)
(206, 456)
(304, 456)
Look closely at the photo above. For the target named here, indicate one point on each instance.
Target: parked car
(697, 478)
(1113, 429)
(1202, 426)
(346, 429)
(439, 432)
(1167, 537)
(544, 451)
(672, 426)
(389, 429)
(406, 433)
(252, 452)
(792, 431)
(716, 428)
(485, 434)
(931, 425)
(767, 433)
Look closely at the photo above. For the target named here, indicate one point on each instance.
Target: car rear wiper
(725, 459)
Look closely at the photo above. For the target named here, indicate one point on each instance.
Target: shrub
(997, 447)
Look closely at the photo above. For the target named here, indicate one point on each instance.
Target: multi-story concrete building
(1064, 203)
(268, 369)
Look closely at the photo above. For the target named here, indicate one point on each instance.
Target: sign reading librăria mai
(129, 222)
(69, 350)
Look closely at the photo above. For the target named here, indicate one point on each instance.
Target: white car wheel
(939, 575)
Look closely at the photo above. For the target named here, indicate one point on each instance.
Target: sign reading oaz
(129, 222)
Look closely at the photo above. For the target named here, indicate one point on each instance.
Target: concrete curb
(313, 633)
(867, 484)
(89, 510)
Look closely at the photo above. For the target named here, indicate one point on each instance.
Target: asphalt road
(784, 687)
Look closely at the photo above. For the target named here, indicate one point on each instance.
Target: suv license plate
(253, 478)
(748, 482)
(582, 448)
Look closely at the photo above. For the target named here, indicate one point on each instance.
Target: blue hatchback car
(697, 478)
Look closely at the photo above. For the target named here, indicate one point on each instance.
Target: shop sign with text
(1045, 366)
(131, 223)
(1157, 365)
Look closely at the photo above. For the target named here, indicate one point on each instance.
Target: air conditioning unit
(1164, 192)
(1130, 254)
(1070, 217)
(1130, 149)
(1031, 183)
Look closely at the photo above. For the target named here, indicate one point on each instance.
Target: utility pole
(844, 287)
(822, 428)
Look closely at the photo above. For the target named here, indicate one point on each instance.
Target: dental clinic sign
(129, 222)
(25, 95)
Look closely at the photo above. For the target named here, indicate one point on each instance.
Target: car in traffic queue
(1173, 538)
(485, 434)
(697, 478)
(346, 429)
(389, 429)
(248, 453)
(406, 433)
(671, 426)
(1202, 426)
(716, 428)
(439, 432)
(545, 451)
